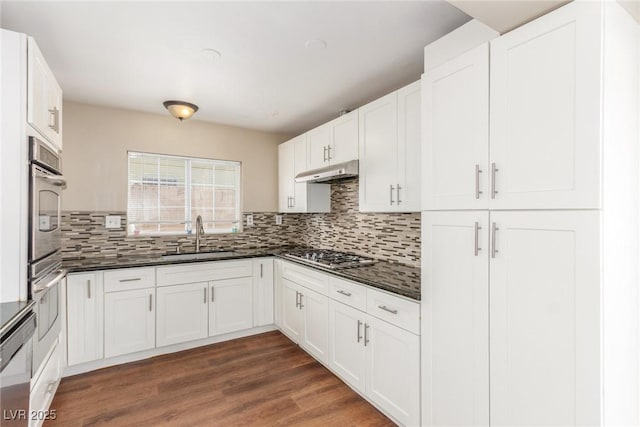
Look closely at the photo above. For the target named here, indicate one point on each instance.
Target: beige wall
(96, 141)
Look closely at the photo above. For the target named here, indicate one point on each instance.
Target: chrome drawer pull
(366, 334)
(130, 280)
(346, 294)
(88, 289)
(387, 309)
(150, 302)
(359, 326)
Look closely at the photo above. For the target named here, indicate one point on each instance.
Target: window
(167, 193)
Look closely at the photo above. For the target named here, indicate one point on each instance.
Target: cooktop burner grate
(329, 259)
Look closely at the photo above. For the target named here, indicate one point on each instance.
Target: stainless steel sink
(198, 255)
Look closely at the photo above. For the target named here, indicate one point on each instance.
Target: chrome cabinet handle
(346, 294)
(205, 294)
(329, 153)
(494, 229)
(387, 309)
(366, 334)
(261, 270)
(494, 169)
(130, 280)
(398, 193)
(297, 294)
(150, 302)
(55, 113)
(359, 326)
(88, 289)
(478, 172)
(213, 294)
(301, 305)
(391, 201)
(476, 247)
(324, 157)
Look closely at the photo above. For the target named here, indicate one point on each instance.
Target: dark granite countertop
(393, 277)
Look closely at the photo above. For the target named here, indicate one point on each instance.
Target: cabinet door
(315, 312)
(347, 356)
(55, 110)
(408, 183)
(299, 193)
(393, 380)
(285, 176)
(231, 307)
(38, 82)
(456, 133)
(291, 313)
(318, 142)
(545, 111)
(378, 140)
(344, 141)
(455, 318)
(183, 312)
(545, 318)
(263, 292)
(85, 318)
(129, 321)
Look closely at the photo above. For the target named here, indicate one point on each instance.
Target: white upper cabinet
(545, 112)
(44, 101)
(389, 147)
(333, 142)
(519, 127)
(456, 133)
(298, 197)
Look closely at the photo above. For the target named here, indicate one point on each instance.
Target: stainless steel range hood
(330, 173)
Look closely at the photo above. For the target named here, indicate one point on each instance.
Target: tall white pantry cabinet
(530, 225)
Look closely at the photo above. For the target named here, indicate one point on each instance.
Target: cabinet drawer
(127, 279)
(349, 293)
(395, 310)
(45, 385)
(203, 272)
(306, 277)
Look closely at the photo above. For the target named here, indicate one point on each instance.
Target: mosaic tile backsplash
(393, 237)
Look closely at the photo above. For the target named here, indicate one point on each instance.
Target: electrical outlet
(249, 220)
(112, 221)
(278, 219)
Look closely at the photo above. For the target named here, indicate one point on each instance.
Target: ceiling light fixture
(181, 110)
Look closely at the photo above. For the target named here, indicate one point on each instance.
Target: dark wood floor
(262, 380)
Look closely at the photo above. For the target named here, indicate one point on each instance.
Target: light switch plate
(249, 220)
(278, 219)
(112, 221)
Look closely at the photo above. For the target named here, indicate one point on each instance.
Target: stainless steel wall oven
(45, 261)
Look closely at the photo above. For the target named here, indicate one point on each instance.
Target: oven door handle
(57, 180)
(61, 275)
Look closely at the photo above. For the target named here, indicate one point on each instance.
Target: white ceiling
(135, 55)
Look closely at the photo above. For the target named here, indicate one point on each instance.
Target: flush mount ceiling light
(181, 110)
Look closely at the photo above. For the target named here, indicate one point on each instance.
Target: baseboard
(159, 351)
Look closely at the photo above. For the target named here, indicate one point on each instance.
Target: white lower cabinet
(378, 359)
(182, 313)
(315, 323)
(231, 305)
(291, 314)
(44, 387)
(85, 319)
(512, 318)
(305, 319)
(129, 321)
(263, 291)
(347, 354)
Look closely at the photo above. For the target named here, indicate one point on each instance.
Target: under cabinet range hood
(330, 173)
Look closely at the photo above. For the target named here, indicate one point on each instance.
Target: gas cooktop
(329, 259)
